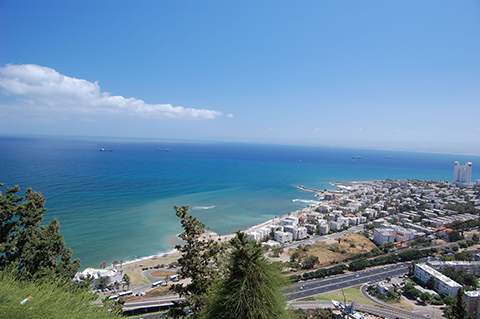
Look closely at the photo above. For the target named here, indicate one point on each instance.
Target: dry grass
(162, 273)
(325, 255)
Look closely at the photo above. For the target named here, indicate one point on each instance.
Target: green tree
(425, 296)
(475, 238)
(449, 300)
(36, 251)
(126, 278)
(251, 287)
(198, 255)
(103, 282)
(430, 284)
(309, 262)
(458, 310)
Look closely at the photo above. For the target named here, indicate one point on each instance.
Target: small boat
(105, 150)
(165, 150)
(356, 157)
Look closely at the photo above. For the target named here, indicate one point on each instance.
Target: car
(357, 276)
(301, 287)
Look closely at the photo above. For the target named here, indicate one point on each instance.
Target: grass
(326, 255)
(351, 294)
(49, 301)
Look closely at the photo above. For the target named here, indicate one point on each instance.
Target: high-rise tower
(462, 174)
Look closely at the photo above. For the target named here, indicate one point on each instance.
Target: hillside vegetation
(49, 301)
(333, 250)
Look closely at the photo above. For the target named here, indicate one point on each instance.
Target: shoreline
(226, 237)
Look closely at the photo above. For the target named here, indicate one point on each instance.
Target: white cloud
(45, 89)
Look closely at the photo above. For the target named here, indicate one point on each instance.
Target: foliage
(309, 262)
(114, 306)
(430, 284)
(463, 209)
(475, 238)
(410, 289)
(449, 300)
(36, 251)
(50, 300)
(251, 287)
(425, 296)
(457, 310)
(276, 251)
(464, 256)
(455, 235)
(461, 277)
(197, 257)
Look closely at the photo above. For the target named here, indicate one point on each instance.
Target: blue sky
(385, 74)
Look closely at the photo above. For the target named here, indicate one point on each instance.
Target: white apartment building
(443, 284)
(283, 237)
(255, 236)
(381, 236)
(472, 303)
(462, 174)
(290, 221)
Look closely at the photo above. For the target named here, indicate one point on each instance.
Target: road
(319, 286)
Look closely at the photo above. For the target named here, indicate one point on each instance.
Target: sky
(378, 74)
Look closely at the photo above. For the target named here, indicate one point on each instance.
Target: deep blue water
(119, 205)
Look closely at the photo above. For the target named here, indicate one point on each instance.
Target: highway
(314, 287)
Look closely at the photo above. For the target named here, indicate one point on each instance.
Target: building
(462, 174)
(381, 236)
(469, 267)
(283, 237)
(443, 284)
(472, 303)
(290, 221)
(113, 275)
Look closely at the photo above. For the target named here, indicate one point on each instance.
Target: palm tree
(115, 263)
(251, 288)
(121, 263)
(103, 265)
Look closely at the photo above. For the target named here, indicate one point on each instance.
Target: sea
(119, 204)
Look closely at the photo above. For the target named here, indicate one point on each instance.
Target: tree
(251, 287)
(103, 265)
(309, 262)
(36, 251)
(103, 282)
(115, 263)
(449, 300)
(475, 238)
(197, 257)
(430, 284)
(425, 296)
(126, 278)
(458, 310)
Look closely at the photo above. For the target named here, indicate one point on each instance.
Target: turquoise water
(119, 205)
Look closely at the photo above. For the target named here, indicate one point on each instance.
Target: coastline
(173, 254)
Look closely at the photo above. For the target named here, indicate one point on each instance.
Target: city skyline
(365, 74)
